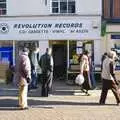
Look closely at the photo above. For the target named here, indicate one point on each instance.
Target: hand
(28, 80)
(116, 82)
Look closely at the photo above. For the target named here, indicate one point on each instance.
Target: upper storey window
(111, 9)
(63, 6)
(2, 7)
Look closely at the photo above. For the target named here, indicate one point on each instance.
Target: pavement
(67, 102)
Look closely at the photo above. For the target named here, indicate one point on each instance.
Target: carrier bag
(79, 79)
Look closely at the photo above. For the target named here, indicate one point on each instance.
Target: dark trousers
(109, 84)
(47, 83)
(44, 91)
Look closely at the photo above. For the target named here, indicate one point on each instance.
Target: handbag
(79, 79)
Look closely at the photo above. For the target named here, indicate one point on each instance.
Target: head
(35, 47)
(112, 54)
(25, 49)
(49, 51)
(86, 52)
(105, 54)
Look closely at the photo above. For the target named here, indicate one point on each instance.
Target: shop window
(75, 50)
(63, 6)
(2, 7)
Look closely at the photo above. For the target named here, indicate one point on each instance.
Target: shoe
(83, 90)
(101, 103)
(88, 94)
(118, 104)
(25, 108)
(50, 95)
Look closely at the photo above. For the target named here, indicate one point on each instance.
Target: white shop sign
(48, 29)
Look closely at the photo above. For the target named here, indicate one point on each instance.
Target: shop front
(113, 41)
(67, 36)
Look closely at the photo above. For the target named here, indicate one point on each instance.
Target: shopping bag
(79, 79)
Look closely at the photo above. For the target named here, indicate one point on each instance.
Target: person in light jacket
(85, 70)
(108, 78)
(23, 77)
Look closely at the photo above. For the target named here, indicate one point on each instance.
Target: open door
(60, 59)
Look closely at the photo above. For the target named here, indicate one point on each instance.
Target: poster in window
(79, 44)
(79, 50)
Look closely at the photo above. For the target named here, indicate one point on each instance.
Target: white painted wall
(97, 51)
(38, 7)
(27, 7)
(89, 7)
(42, 46)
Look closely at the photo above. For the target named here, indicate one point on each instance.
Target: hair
(25, 49)
(105, 53)
(85, 52)
(47, 49)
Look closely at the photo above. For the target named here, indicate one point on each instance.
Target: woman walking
(85, 70)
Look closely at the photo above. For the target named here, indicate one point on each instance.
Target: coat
(23, 69)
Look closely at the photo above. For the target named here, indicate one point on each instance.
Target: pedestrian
(103, 58)
(9, 73)
(23, 77)
(85, 70)
(108, 78)
(46, 65)
(91, 72)
(34, 58)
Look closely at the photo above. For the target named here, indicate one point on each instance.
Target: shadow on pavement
(59, 88)
(11, 104)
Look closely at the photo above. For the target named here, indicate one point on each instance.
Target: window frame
(3, 9)
(111, 10)
(59, 7)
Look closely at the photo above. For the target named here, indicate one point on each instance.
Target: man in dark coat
(46, 64)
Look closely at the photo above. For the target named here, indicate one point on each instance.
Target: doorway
(59, 50)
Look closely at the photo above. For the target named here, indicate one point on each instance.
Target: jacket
(108, 69)
(23, 69)
(46, 63)
(84, 63)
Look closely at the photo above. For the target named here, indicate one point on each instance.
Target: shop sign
(48, 29)
(115, 36)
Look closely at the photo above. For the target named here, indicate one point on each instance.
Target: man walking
(108, 78)
(23, 77)
(46, 64)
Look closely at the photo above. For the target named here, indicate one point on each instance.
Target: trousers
(23, 90)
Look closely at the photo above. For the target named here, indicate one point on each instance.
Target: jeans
(33, 83)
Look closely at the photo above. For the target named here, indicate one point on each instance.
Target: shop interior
(59, 52)
(66, 57)
(117, 50)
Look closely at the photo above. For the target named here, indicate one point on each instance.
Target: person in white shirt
(108, 78)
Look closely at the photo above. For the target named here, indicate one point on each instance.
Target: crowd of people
(28, 65)
(26, 74)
